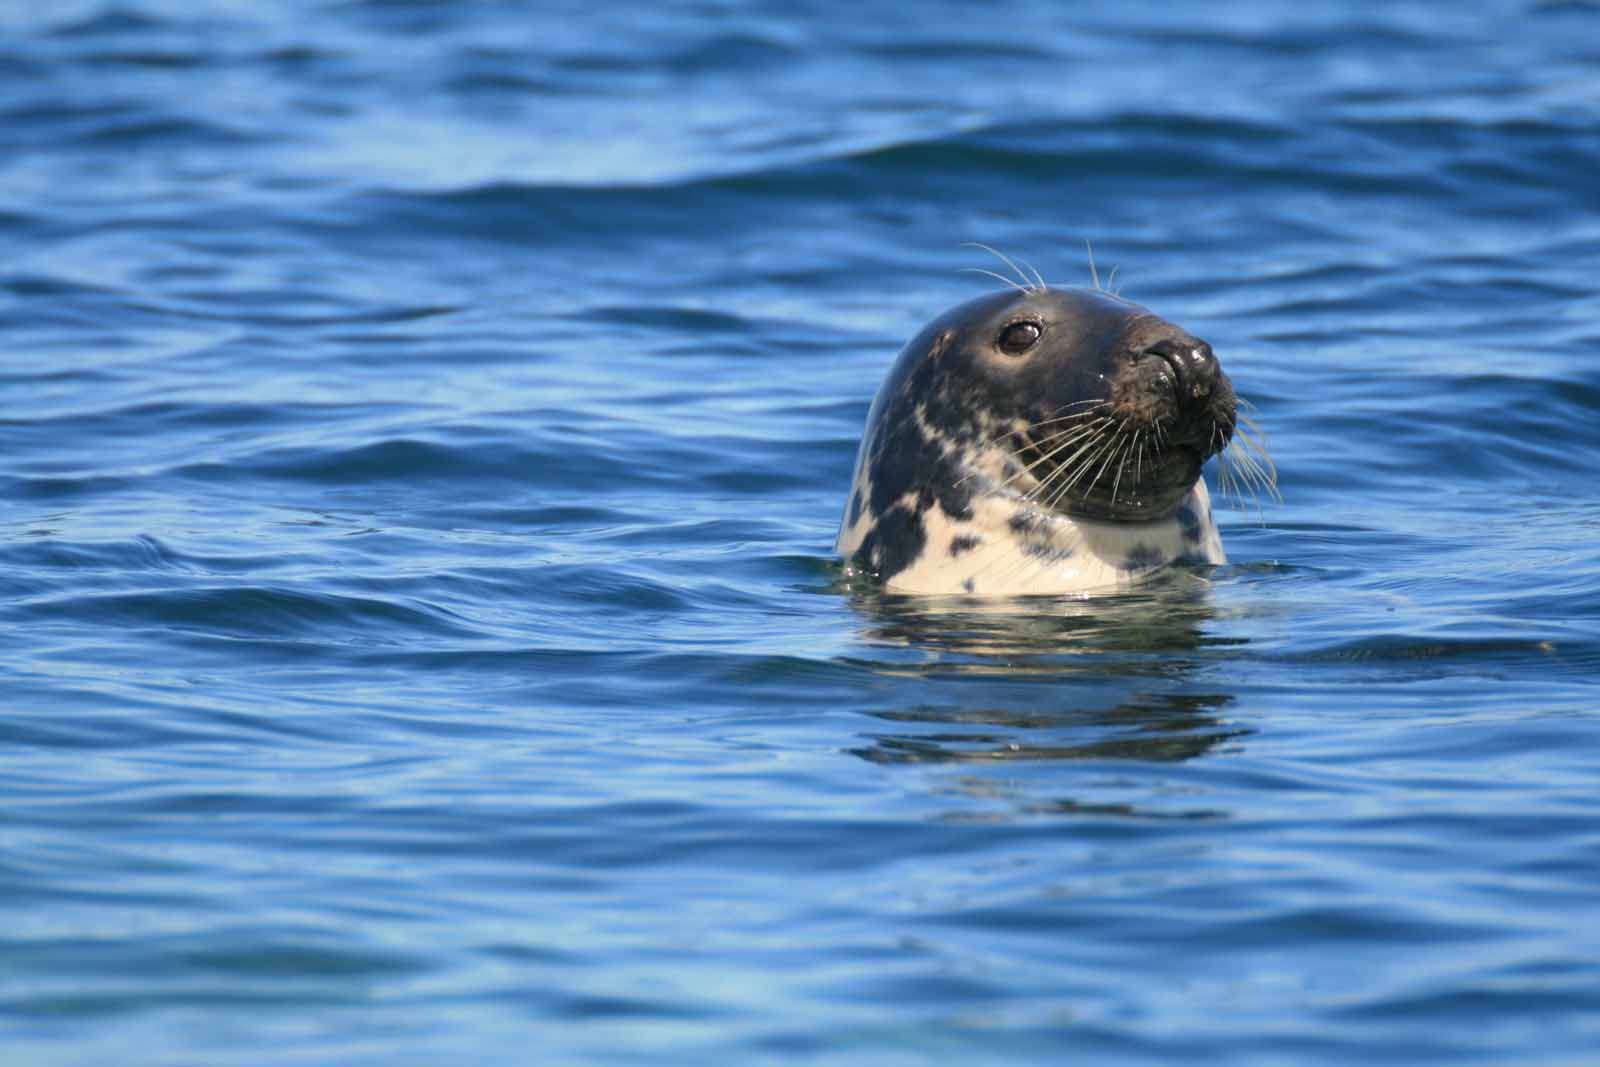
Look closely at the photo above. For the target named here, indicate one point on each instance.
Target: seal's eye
(1019, 337)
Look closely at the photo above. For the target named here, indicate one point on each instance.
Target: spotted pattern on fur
(935, 506)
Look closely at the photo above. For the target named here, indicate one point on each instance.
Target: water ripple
(426, 434)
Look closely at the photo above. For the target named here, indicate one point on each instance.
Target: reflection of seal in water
(1039, 441)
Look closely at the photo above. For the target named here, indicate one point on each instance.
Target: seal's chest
(1009, 549)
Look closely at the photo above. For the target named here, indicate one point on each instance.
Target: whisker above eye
(998, 277)
(1027, 285)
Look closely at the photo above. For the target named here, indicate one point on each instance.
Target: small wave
(253, 612)
(421, 462)
(115, 21)
(705, 55)
(165, 132)
(689, 320)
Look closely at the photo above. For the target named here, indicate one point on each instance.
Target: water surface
(425, 429)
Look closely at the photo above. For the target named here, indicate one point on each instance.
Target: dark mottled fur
(905, 463)
(1190, 524)
(1143, 558)
(896, 540)
(951, 387)
(964, 543)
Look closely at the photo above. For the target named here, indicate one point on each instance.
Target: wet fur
(948, 498)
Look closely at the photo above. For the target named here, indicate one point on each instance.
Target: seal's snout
(1194, 369)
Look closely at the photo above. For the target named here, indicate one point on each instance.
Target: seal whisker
(1254, 436)
(1058, 417)
(1229, 480)
(1122, 464)
(1061, 492)
(1074, 469)
(1233, 482)
(1091, 434)
(1071, 435)
(1250, 444)
(1076, 419)
(1074, 433)
(1054, 435)
(1224, 468)
(1094, 275)
(1046, 485)
(1036, 275)
(998, 277)
(1248, 449)
(1105, 443)
(1252, 471)
(1091, 402)
(1027, 285)
(1106, 463)
(1244, 476)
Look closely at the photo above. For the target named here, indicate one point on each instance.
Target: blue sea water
(425, 426)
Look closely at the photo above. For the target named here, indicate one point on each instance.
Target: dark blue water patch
(163, 419)
(699, 322)
(1297, 43)
(309, 308)
(406, 459)
(247, 611)
(116, 22)
(723, 54)
(143, 553)
(576, 518)
(70, 118)
(554, 216)
(1526, 998)
(55, 488)
(166, 133)
(997, 51)
(1485, 656)
(500, 77)
(263, 963)
(36, 288)
(1102, 159)
(420, 609)
(57, 730)
(413, 462)
(987, 748)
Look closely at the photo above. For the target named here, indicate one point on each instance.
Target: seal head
(1039, 441)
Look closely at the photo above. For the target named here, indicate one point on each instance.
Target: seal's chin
(1131, 484)
(1156, 494)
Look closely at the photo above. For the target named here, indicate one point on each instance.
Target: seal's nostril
(1193, 365)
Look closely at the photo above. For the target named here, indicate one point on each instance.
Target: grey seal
(1039, 440)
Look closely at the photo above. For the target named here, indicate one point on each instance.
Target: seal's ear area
(1018, 337)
